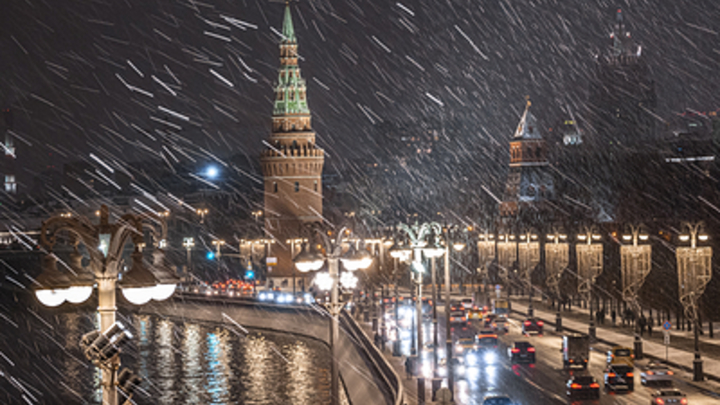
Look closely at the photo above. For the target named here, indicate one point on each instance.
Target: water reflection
(180, 363)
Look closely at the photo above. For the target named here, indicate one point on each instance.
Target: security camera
(101, 347)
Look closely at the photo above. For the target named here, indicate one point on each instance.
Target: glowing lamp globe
(51, 298)
(78, 294)
(163, 291)
(138, 296)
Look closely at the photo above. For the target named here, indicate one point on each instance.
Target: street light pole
(436, 333)
(309, 261)
(448, 333)
(105, 244)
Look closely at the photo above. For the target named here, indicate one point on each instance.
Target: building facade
(292, 164)
(529, 184)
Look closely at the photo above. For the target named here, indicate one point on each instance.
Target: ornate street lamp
(486, 255)
(353, 260)
(635, 265)
(590, 266)
(528, 259)
(694, 273)
(557, 258)
(507, 256)
(105, 243)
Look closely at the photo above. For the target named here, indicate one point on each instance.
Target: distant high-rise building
(292, 164)
(529, 184)
(622, 96)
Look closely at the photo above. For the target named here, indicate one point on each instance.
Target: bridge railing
(391, 380)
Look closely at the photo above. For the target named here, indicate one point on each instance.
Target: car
(582, 386)
(669, 396)
(501, 324)
(457, 316)
(532, 325)
(464, 345)
(475, 313)
(458, 367)
(488, 320)
(466, 303)
(496, 399)
(619, 377)
(521, 352)
(486, 347)
(455, 305)
(621, 355)
(656, 373)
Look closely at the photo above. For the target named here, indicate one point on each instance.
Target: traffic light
(249, 274)
(210, 255)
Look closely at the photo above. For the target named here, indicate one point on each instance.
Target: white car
(656, 373)
(670, 396)
(500, 324)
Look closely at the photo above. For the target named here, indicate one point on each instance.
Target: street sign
(271, 261)
(666, 338)
(667, 325)
(497, 287)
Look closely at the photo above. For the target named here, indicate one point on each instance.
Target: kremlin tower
(292, 164)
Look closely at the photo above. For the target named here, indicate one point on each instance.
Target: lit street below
(541, 383)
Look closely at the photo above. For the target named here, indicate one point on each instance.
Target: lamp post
(202, 212)
(309, 260)
(417, 235)
(507, 256)
(105, 243)
(398, 253)
(528, 258)
(694, 273)
(486, 255)
(188, 243)
(589, 265)
(635, 265)
(557, 258)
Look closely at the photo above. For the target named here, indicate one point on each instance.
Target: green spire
(288, 30)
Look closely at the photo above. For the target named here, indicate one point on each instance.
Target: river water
(180, 362)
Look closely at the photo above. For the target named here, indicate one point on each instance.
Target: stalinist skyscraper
(292, 164)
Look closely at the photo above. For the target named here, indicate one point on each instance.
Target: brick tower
(529, 184)
(292, 164)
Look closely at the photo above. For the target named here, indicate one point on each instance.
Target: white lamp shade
(139, 295)
(79, 294)
(306, 266)
(51, 298)
(163, 291)
(433, 252)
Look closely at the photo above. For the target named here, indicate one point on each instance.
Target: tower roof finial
(288, 30)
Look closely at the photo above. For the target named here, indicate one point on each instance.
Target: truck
(501, 306)
(575, 351)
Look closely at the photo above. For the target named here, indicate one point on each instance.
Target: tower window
(10, 184)
(315, 188)
(274, 187)
(297, 186)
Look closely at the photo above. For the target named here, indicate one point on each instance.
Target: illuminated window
(10, 184)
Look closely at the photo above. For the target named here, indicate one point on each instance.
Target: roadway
(544, 382)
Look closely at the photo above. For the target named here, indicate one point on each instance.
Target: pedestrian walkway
(678, 354)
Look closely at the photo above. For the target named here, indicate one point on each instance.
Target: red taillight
(452, 319)
(611, 375)
(650, 372)
(594, 385)
(516, 350)
(495, 346)
(531, 350)
(526, 323)
(575, 386)
(670, 373)
(659, 401)
(683, 401)
(629, 375)
(494, 325)
(540, 323)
